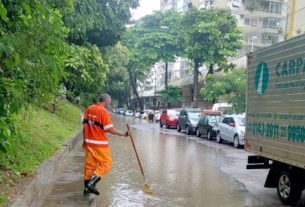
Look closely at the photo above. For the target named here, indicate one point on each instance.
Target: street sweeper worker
(97, 123)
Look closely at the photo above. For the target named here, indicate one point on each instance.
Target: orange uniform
(97, 123)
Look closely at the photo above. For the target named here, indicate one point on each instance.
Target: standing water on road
(181, 172)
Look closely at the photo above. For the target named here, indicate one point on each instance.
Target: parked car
(221, 107)
(232, 129)
(188, 120)
(208, 124)
(129, 113)
(137, 114)
(121, 111)
(157, 116)
(169, 118)
(144, 113)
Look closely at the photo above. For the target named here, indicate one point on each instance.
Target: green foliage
(32, 53)
(117, 83)
(172, 94)
(230, 85)
(41, 134)
(211, 36)
(44, 44)
(251, 5)
(98, 22)
(161, 35)
(85, 71)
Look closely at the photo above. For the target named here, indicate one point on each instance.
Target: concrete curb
(42, 183)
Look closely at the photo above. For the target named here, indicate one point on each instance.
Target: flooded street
(183, 171)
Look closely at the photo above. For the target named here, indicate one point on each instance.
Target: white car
(128, 113)
(232, 129)
(144, 113)
(136, 114)
(157, 116)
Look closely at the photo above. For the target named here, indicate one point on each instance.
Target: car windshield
(172, 113)
(215, 119)
(194, 115)
(241, 121)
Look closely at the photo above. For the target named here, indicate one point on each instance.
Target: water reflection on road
(182, 173)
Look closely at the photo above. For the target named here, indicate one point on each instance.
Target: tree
(140, 61)
(100, 22)
(230, 85)
(162, 36)
(211, 37)
(117, 83)
(172, 94)
(32, 54)
(251, 5)
(85, 72)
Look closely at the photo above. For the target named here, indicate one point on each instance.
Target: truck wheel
(236, 141)
(288, 189)
(198, 132)
(178, 128)
(218, 138)
(161, 125)
(209, 135)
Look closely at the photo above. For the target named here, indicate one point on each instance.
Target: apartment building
(263, 25)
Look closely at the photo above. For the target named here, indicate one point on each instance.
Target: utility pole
(292, 18)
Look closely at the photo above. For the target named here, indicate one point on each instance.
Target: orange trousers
(97, 161)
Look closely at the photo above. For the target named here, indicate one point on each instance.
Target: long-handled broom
(146, 188)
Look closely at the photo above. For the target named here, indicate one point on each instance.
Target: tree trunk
(133, 82)
(166, 75)
(211, 69)
(196, 72)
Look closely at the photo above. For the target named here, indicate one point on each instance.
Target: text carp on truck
(275, 130)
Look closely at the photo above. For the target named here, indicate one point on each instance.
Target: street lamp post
(253, 37)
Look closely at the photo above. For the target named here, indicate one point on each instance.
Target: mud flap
(271, 180)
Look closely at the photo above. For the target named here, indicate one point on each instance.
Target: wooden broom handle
(134, 147)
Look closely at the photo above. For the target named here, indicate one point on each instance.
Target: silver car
(232, 129)
(129, 113)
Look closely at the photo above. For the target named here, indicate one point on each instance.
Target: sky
(146, 7)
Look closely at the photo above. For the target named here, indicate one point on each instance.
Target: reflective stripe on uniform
(90, 122)
(96, 142)
(108, 126)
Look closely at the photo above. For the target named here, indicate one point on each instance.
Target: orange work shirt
(97, 123)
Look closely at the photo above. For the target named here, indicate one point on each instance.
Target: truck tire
(178, 127)
(218, 138)
(161, 125)
(289, 189)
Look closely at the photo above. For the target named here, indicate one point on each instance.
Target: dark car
(169, 118)
(208, 124)
(188, 120)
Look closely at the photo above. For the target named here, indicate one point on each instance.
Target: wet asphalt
(183, 171)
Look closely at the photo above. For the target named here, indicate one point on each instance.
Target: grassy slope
(42, 133)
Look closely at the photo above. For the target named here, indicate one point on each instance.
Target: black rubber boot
(86, 189)
(92, 182)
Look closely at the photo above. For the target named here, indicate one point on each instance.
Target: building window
(247, 21)
(270, 22)
(254, 22)
(275, 8)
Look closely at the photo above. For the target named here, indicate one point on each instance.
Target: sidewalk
(67, 189)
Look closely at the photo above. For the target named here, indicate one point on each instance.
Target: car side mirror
(231, 124)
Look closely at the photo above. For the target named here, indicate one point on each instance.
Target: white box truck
(275, 130)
